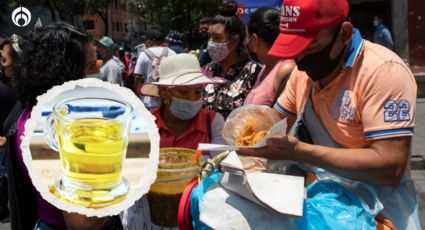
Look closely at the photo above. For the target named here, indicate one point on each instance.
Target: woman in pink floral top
(230, 61)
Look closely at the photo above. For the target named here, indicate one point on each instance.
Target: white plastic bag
(262, 116)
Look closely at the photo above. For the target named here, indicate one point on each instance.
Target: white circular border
(148, 175)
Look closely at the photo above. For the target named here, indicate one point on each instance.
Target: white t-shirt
(143, 65)
(121, 65)
(111, 72)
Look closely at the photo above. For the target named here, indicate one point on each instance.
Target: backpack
(153, 71)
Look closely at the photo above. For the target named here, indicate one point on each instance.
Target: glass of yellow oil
(91, 136)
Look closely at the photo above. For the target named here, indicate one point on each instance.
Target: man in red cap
(350, 103)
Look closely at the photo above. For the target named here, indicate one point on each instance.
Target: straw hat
(179, 70)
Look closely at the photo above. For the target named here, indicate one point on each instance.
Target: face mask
(185, 109)
(98, 75)
(375, 23)
(218, 51)
(319, 65)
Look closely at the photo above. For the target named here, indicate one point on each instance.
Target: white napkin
(281, 193)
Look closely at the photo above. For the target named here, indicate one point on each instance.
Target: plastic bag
(331, 206)
(261, 115)
(362, 190)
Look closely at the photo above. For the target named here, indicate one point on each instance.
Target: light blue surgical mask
(185, 109)
(375, 23)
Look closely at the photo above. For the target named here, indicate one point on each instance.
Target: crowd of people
(349, 103)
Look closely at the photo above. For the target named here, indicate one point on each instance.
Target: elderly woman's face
(191, 93)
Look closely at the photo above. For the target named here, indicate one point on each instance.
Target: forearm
(371, 165)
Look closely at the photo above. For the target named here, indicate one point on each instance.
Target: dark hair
(228, 8)
(5, 42)
(234, 26)
(154, 35)
(264, 22)
(51, 55)
(13, 54)
(121, 52)
(205, 20)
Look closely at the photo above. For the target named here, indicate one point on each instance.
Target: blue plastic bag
(330, 205)
(196, 197)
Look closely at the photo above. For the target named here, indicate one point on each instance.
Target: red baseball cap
(301, 21)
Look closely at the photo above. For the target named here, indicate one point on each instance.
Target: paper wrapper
(139, 171)
(220, 209)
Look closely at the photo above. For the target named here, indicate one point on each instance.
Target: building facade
(404, 18)
(123, 25)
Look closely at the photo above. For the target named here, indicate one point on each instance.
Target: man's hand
(277, 149)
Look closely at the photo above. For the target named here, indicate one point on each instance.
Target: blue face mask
(376, 23)
(185, 109)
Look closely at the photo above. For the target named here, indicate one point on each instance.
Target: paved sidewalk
(419, 157)
(419, 178)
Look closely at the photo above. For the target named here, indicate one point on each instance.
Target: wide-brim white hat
(179, 70)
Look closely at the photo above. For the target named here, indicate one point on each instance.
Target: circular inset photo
(91, 147)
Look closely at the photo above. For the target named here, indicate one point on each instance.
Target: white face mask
(376, 23)
(98, 75)
(218, 51)
(185, 109)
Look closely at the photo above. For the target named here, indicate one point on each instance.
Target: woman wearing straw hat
(181, 120)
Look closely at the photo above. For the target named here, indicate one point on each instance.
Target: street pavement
(418, 161)
(418, 175)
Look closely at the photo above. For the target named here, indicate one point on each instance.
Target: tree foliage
(181, 15)
(99, 7)
(67, 9)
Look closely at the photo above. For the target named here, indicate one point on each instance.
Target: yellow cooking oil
(92, 151)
